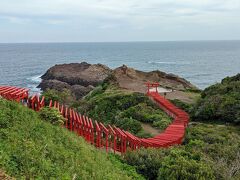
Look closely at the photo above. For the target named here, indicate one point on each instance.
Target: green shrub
(51, 115)
(129, 124)
(109, 80)
(172, 163)
(97, 90)
(145, 113)
(64, 97)
(183, 165)
(220, 102)
(147, 161)
(219, 145)
(186, 107)
(162, 124)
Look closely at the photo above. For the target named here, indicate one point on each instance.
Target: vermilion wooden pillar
(62, 110)
(105, 130)
(71, 119)
(122, 138)
(92, 131)
(78, 124)
(98, 135)
(84, 127)
(81, 125)
(148, 87)
(88, 129)
(55, 104)
(58, 106)
(112, 133)
(32, 100)
(50, 103)
(66, 117)
(42, 103)
(74, 121)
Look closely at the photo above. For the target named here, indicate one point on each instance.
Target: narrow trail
(149, 129)
(109, 137)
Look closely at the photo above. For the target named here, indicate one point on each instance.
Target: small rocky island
(81, 78)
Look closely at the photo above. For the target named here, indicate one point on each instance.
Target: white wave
(33, 88)
(165, 62)
(35, 79)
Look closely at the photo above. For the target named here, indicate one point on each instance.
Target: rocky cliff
(129, 78)
(81, 78)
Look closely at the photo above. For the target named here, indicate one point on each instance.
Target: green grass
(34, 149)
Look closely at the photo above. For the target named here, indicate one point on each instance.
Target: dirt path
(149, 129)
(187, 97)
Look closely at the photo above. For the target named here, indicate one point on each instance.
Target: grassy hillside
(31, 148)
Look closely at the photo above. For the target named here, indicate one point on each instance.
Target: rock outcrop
(81, 78)
(129, 78)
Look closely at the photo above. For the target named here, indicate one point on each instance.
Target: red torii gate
(154, 85)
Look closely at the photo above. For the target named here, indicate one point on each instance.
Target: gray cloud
(155, 19)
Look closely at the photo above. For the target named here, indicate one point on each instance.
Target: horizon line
(53, 42)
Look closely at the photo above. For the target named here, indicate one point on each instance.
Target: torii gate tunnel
(112, 138)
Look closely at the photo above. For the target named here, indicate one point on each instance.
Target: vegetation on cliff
(31, 148)
(220, 102)
(63, 97)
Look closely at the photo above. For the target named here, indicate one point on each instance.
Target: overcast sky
(118, 20)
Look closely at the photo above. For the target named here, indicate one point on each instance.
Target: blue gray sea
(201, 62)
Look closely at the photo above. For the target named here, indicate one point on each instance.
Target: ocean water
(201, 62)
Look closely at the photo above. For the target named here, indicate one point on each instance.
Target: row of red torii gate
(108, 137)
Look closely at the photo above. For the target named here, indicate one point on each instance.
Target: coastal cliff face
(81, 78)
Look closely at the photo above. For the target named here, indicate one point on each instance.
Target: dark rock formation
(54, 84)
(81, 78)
(80, 91)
